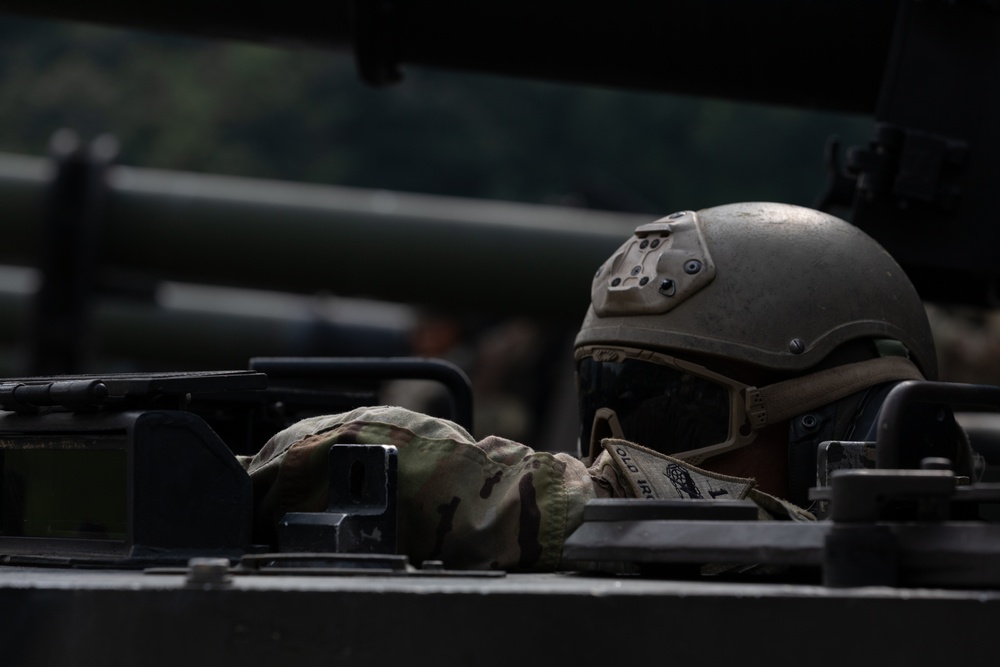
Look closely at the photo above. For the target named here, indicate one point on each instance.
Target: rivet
(654, 243)
(616, 282)
(667, 287)
(809, 421)
(692, 266)
(636, 270)
(796, 346)
(644, 245)
(207, 572)
(674, 216)
(643, 281)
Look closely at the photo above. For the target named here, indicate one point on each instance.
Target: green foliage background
(209, 106)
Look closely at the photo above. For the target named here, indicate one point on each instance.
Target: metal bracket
(908, 527)
(835, 455)
(687, 532)
(361, 513)
(889, 528)
(331, 370)
(892, 419)
(909, 166)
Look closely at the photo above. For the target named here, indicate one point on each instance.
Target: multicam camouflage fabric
(491, 504)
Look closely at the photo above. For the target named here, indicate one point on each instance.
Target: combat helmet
(770, 286)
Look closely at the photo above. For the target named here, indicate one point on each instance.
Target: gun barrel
(475, 255)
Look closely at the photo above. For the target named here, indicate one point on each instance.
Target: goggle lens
(659, 407)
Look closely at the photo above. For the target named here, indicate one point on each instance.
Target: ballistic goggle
(689, 412)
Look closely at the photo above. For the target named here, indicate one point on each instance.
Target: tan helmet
(772, 285)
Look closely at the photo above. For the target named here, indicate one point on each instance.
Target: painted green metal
(472, 255)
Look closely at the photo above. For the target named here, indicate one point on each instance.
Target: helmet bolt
(643, 281)
(674, 216)
(644, 245)
(809, 421)
(616, 282)
(692, 266)
(636, 270)
(654, 243)
(667, 287)
(796, 346)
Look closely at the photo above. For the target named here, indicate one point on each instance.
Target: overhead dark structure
(925, 71)
(823, 54)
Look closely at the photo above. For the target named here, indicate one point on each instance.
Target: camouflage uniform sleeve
(488, 504)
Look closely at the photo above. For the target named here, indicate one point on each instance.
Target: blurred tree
(181, 103)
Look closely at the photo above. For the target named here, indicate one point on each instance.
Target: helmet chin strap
(783, 400)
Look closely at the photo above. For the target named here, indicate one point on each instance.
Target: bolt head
(208, 572)
(692, 266)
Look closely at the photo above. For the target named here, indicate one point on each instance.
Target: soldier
(720, 348)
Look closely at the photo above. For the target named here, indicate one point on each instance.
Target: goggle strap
(783, 400)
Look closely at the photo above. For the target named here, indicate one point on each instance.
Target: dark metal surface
(245, 407)
(361, 512)
(697, 542)
(352, 370)
(894, 420)
(121, 389)
(865, 496)
(174, 489)
(954, 554)
(911, 528)
(928, 195)
(320, 563)
(61, 337)
(327, 564)
(886, 528)
(625, 509)
(54, 617)
(823, 53)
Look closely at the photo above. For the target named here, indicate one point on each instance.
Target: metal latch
(909, 166)
(361, 512)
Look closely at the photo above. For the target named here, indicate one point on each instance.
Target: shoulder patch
(651, 474)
